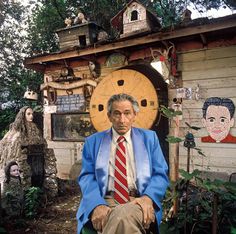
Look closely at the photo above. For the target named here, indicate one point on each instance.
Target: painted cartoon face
(122, 116)
(15, 171)
(218, 122)
(29, 115)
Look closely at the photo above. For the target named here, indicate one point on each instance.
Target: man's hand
(146, 204)
(99, 217)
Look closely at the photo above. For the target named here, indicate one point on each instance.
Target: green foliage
(32, 201)
(101, 11)
(3, 230)
(169, 11)
(168, 112)
(204, 5)
(7, 116)
(196, 216)
(10, 51)
(20, 223)
(233, 230)
(14, 77)
(46, 18)
(14, 205)
(172, 139)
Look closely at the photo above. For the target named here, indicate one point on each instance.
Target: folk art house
(196, 75)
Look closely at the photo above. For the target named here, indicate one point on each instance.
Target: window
(71, 127)
(134, 15)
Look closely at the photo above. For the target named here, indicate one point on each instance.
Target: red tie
(121, 192)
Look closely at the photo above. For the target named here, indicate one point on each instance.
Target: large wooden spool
(124, 81)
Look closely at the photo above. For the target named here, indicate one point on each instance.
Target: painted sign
(218, 118)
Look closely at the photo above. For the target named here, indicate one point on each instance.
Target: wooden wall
(214, 70)
(68, 153)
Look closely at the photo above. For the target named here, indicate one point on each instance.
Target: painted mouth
(217, 131)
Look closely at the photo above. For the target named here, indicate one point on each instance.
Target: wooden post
(176, 162)
(188, 160)
(214, 214)
(186, 203)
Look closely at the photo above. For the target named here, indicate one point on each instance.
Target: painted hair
(20, 121)
(216, 101)
(122, 97)
(8, 170)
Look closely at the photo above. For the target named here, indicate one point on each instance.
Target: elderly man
(124, 175)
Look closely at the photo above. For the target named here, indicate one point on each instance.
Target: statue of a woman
(25, 144)
(13, 193)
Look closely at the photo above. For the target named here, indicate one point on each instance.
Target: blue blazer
(151, 171)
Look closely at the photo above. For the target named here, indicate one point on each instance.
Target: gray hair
(122, 97)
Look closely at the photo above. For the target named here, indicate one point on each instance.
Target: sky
(211, 13)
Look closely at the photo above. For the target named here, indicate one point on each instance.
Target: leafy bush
(32, 201)
(196, 197)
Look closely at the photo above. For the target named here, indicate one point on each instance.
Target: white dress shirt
(130, 163)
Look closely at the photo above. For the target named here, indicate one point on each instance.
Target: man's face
(218, 122)
(29, 115)
(122, 116)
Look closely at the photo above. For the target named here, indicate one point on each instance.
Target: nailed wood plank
(227, 82)
(210, 73)
(214, 92)
(193, 104)
(213, 152)
(204, 65)
(230, 93)
(207, 54)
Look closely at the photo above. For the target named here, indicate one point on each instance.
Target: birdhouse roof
(117, 20)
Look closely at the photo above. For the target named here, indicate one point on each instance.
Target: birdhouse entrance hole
(134, 15)
(82, 40)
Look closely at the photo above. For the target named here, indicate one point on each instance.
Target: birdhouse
(133, 19)
(30, 94)
(79, 35)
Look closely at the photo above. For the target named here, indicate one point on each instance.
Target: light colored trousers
(124, 219)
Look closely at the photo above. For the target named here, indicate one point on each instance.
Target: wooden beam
(74, 85)
(124, 43)
(203, 38)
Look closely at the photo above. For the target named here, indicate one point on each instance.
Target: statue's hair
(20, 121)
